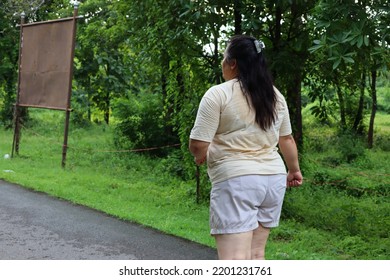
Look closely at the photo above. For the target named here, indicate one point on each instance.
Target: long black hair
(254, 78)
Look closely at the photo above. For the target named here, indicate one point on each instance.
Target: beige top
(238, 146)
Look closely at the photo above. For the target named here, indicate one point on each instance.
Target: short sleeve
(207, 119)
(285, 127)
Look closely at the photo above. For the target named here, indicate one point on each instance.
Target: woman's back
(240, 146)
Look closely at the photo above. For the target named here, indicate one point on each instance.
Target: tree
(101, 72)
(9, 46)
(352, 43)
(379, 58)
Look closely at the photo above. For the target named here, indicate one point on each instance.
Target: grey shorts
(239, 204)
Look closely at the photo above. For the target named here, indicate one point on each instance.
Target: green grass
(325, 219)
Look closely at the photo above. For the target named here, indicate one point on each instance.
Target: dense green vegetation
(141, 68)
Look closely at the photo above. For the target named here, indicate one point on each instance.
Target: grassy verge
(323, 220)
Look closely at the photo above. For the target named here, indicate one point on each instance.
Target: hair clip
(259, 45)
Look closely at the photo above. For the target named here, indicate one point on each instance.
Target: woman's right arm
(199, 150)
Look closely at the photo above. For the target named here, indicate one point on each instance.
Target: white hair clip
(259, 45)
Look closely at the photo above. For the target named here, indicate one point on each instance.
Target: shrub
(141, 124)
(326, 208)
(350, 146)
(7, 102)
(382, 142)
(173, 165)
(80, 109)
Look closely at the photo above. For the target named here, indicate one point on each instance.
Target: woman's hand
(294, 179)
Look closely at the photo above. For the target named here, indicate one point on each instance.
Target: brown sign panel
(45, 64)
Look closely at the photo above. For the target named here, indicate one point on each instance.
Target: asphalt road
(35, 226)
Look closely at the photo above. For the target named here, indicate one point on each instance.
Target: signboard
(46, 64)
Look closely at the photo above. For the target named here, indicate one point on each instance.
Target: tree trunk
(237, 17)
(164, 91)
(89, 98)
(276, 36)
(294, 98)
(373, 110)
(358, 123)
(340, 95)
(107, 110)
(107, 97)
(216, 59)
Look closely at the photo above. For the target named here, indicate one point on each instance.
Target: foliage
(9, 37)
(101, 70)
(28, 7)
(140, 124)
(351, 45)
(346, 214)
(80, 115)
(351, 146)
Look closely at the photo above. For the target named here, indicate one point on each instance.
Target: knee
(258, 255)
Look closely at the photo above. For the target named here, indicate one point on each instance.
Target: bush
(141, 124)
(7, 102)
(173, 165)
(80, 106)
(382, 142)
(318, 144)
(351, 146)
(324, 207)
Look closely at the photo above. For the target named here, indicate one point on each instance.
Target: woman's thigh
(236, 246)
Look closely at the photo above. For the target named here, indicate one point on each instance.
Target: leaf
(336, 63)
(197, 15)
(322, 23)
(348, 59)
(315, 48)
(366, 40)
(360, 41)
(185, 13)
(350, 54)
(345, 37)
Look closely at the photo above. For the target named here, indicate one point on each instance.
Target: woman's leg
(259, 240)
(235, 246)
(243, 246)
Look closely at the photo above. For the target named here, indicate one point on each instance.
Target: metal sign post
(68, 107)
(15, 142)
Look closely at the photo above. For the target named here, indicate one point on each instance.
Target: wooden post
(16, 140)
(68, 109)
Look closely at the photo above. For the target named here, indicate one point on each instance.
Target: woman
(238, 127)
